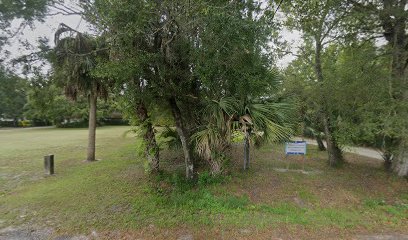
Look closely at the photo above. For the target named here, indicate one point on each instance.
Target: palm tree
(75, 58)
(212, 138)
(262, 120)
(259, 120)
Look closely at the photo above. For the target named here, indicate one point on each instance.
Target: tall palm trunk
(92, 127)
(152, 149)
(184, 137)
(215, 166)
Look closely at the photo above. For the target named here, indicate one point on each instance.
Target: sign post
(295, 148)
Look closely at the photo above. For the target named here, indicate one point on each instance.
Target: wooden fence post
(49, 164)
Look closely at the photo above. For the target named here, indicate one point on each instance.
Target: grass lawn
(114, 197)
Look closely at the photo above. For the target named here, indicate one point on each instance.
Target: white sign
(295, 148)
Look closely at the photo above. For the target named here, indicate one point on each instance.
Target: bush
(101, 122)
(114, 122)
(174, 191)
(206, 178)
(7, 124)
(40, 123)
(25, 123)
(78, 124)
(166, 183)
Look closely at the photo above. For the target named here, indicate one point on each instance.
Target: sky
(51, 23)
(44, 29)
(295, 40)
(37, 31)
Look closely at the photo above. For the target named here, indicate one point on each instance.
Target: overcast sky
(40, 30)
(50, 25)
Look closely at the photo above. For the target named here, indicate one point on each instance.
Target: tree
(126, 67)
(356, 80)
(389, 17)
(75, 58)
(46, 103)
(27, 10)
(358, 74)
(133, 97)
(185, 51)
(263, 120)
(299, 83)
(260, 121)
(321, 23)
(12, 96)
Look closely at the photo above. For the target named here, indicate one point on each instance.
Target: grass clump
(173, 190)
(399, 210)
(170, 200)
(374, 203)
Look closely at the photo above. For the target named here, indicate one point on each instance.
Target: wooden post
(49, 164)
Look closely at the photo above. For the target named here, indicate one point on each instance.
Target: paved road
(367, 152)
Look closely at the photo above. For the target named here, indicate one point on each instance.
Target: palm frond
(170, 138)
(208, 141)
(75, 60)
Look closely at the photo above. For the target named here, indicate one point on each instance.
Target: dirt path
(35, 234)
(367, 152)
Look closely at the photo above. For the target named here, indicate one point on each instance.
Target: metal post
(49, 164)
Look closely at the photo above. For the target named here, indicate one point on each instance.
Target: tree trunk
(387, 156)
(152, 149)
(184, 137)
(215, 167)
(91, 128)
(334, 152)
(394, 21)
(401, 163)
(320, 143)
(246, 151)
(388, 151)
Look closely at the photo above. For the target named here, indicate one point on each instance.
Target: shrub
(25, 123)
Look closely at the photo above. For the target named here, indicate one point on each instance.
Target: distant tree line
(39, 102)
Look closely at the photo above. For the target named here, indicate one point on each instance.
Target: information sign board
(295, 148)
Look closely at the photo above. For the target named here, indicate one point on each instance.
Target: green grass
(79, 191)
(114, 194)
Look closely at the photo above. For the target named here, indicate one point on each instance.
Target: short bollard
(49, 164)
